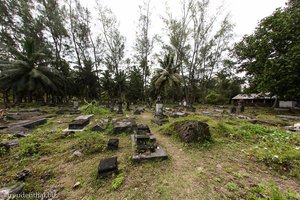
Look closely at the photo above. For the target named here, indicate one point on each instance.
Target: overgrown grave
(145, 146)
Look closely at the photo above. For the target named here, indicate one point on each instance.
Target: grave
(33, 123)
(84, 117)
(79, 124)
(107, 167)
(289, 117)
(21, 176)
(101, 125)
(143, 129)
(159, 117)
(144, 145)
(17, 129)
(113, 144)
(7, 192)
(158, 121)
(178, 114)
(123, 125)
(9, 144)
(294, 128)
(138, 111)
(146, 148)
(98, 128)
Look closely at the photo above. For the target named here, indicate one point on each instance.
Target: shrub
(29, 147)
(215, 98)
(91, 142)
(93, 108)
(117, 182)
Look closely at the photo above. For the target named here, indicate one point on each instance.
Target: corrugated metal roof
(254, 96)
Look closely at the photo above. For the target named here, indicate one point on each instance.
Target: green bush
(117, 182)
(93, 108)
(215, 98)
(91, 142)
(29, 147)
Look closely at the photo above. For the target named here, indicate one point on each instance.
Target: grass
(234, 165)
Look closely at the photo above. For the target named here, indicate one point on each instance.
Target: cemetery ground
(249, 156)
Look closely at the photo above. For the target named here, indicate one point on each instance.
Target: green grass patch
(90, 142)
(93, 108)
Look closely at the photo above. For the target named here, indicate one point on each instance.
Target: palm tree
(30, 73)
(120, 81)
(108, 87)
(166, 75)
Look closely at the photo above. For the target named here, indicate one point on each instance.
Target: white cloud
(245, 14)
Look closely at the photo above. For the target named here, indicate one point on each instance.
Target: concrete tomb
(123, 125)
(113, 144)
(107, 167)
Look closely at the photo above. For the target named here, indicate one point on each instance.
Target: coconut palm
(167, 74)
(30, 73)
(120, 81)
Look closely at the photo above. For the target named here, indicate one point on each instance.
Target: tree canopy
(270, 56)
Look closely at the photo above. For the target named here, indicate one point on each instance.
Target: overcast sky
(245, 14)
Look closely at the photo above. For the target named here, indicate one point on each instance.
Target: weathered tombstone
(184, 103)
(107, 167)
(75, 104)
(159, 107)
(113, 144)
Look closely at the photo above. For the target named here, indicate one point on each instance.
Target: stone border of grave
(78, 124)
(144, 145)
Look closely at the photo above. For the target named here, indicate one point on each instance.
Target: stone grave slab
(143, 129)
(178, 114)
(123, 125)
(289, 117)
(9, 144)
(78, 124)
(6, 192)
(101, 125)
(107, 167)
(294, 128)
(17, 129)
(158, 121)
(113, 144)
(144, 153)
(33, 123)
(88, 117)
